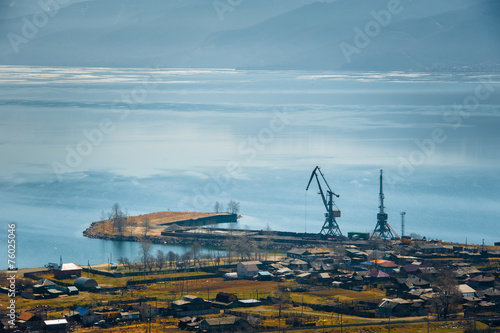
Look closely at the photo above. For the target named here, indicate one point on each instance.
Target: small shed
(83, 283)
(55, 325)
(246, 303)
(325, 278)
(224, 297)
(231, 324)
(73, 290)
(264, 276)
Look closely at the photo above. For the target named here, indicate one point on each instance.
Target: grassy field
(208, 288)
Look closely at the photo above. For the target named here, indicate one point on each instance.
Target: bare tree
(266, 242)
(172, 257)
(186, 258)
(233, 207)
(375, 255)
(243, 247)
(146, 225)
(145, 248)
(449, 296)
(218, 207)
(416, 236)
(149, 264)
(230, 245)
(118, 218)
(161, 259)
(125, 262)
(195, 249)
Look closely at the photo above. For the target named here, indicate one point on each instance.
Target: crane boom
(330, 227)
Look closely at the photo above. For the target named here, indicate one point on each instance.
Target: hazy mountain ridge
(424, 35)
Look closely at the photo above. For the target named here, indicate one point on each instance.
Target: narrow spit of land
(151, 225)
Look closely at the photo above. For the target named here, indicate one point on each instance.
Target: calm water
(73, 141)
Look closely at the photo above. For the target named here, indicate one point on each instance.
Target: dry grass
(157, 221)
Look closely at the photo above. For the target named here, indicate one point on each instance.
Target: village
(347, 286)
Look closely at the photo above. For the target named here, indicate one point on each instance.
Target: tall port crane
(330, 227)
(382, 229)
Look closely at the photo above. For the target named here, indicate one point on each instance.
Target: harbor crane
(330, 227)
(383, 230)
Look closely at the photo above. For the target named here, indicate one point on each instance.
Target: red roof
(26, 316)
(388, 264)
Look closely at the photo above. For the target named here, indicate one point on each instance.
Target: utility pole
(149, 318)
(403, 223)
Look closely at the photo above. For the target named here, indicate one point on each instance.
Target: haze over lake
(182, 139)
(177, 104)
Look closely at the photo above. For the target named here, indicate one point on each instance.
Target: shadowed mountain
(423, 35)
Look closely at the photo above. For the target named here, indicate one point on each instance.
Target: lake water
(73, 141)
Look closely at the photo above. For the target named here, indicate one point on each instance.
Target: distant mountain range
(422, 35)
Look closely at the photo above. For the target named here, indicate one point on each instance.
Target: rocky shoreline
(185, 240)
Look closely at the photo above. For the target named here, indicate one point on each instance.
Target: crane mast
(330, 227)
(382, 229)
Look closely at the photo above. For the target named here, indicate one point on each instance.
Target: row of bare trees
(148, 260)
(118, 218)
(232, 207)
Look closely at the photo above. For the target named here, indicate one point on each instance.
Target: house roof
(299, 251)
(492, 292)
(191, 298)
(248, 301)
(388, 264)
(44, 283)
(82, 311)
(412, 268)
(26, 316)
(392, 303)
(416, 281)
(298, 262)
(55, 322)
(483, 279)
(427, 270)
(465, 289)
(231, 320)
(303, 275)
(251, 266)
(466, 270)
(69, 267)
(249, 263)
(378, 274)
(324, 275)
(223, 293)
